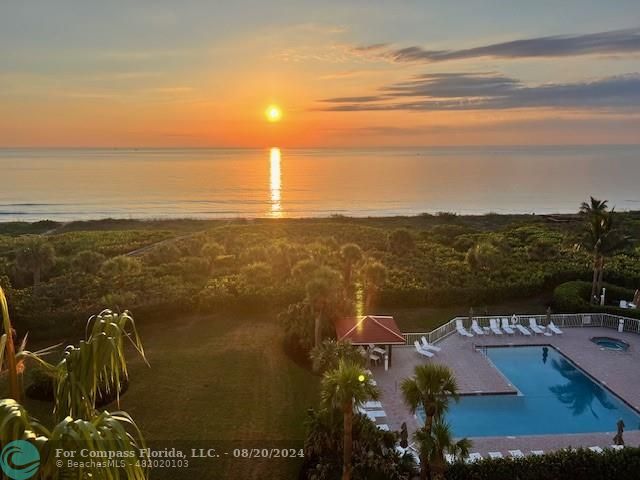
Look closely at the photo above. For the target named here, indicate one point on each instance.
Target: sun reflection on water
(275, 182)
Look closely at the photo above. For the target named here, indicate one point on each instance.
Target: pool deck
(619, 371)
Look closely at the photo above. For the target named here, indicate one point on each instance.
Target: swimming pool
(556, 397)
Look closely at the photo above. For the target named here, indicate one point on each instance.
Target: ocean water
(71, 184)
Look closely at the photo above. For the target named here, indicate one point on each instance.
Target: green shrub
(573, 297)
(566, 465)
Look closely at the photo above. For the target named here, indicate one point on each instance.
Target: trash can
(620, 325)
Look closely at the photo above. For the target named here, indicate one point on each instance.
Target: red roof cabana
(370, 330)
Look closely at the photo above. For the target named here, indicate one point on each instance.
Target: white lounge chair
(596, 449)
(554, 329)
(506, 328)
(477, 329)
(373, 405)
(534, 327)
(537, 452)
(516, 453)
(523, 330)
(427, 346)
(461, 330)
(450, 458)
(421, 350)
(617, 447)
(495, 328)
(373, 414)
(495, 455)
(474, 457)
(383, 426)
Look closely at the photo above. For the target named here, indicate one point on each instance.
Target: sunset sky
(345, 73)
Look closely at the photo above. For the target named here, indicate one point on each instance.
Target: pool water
(556, 397)
(611, 343)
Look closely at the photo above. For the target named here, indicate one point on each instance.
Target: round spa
(608, 343)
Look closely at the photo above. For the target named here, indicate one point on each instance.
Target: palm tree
(347, 387)
(322, 292)
(351, 254)
(375, 276)
(601, 238)
(431, 388)
(36, 256)
(328, 354)
(595, 207)
(439, 443)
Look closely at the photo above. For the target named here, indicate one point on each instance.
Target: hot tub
(608, 343)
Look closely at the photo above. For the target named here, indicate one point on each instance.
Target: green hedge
(573, 297)
(566, 465)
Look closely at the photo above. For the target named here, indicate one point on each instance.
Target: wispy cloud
(611, 42)
(485, 91)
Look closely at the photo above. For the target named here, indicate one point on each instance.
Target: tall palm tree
(36, 256)
(322, 292)
(601, 238)
(431, 387)
(347, 387)
(351, 254)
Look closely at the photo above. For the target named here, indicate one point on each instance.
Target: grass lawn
(217, 382)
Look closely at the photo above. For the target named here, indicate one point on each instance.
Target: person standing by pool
(618, 440)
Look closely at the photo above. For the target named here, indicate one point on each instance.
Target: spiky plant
(107, 435)
(7, 348)
(98, 363)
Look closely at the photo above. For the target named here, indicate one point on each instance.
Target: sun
(273, 113)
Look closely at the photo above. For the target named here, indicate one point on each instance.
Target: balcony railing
(561, 320)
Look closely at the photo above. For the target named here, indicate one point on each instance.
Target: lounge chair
(554, 329)
(596, 449)
(537, 452)
(534, 326)
(495, 328)
(450, 458)
(373, 414)
(516, 453)
(474, 457)
(372, 405)
(421, 350)
(617, 447)
(383, 426)
(495, 455)
(522, 329)
(477, 329)
(506, 328)
(427, 346)
(461, 330)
